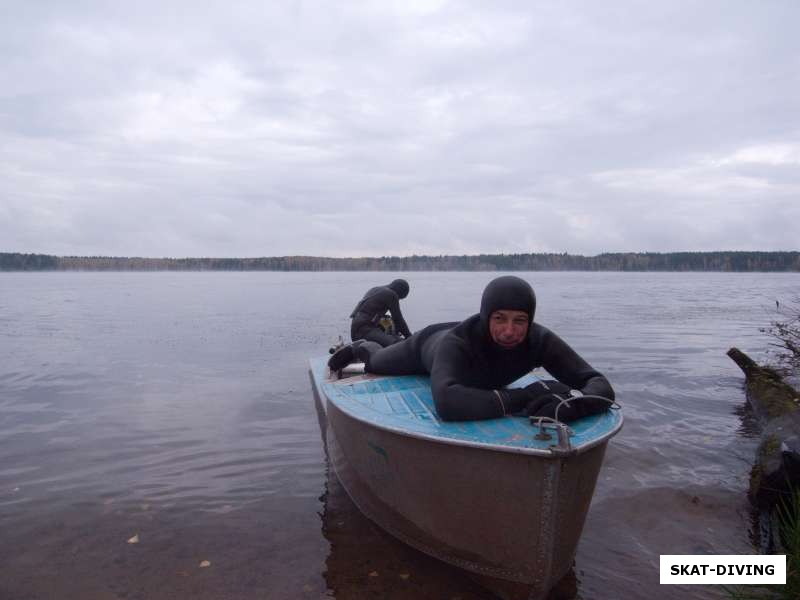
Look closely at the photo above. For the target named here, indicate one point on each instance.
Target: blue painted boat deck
(404, 404)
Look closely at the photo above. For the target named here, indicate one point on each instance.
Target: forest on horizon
(736, 261)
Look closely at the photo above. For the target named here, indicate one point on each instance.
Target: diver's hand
(565, 408)
(546, 396)
(545, 390)
(567, 411)
(531, 398)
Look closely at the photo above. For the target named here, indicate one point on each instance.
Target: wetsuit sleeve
(566, 365)
(397, 316)
(455, 399)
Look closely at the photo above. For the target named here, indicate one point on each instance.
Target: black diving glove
(525, 401)
(575, 407)
(547, 396)
(567, 411)
(545, 390)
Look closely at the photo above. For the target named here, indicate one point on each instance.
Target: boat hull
(511, 519)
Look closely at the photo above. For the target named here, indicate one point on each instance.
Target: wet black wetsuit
(368, 312)
(469, 371)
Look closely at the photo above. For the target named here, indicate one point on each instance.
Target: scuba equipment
(387, 324)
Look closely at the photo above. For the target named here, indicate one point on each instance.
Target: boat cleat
(563, 447)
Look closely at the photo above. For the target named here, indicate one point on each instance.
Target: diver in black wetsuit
(369, 311)
(471, 362)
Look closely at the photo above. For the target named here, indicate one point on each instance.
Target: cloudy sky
(374, 128)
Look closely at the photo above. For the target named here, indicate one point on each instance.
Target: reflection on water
(178, 406)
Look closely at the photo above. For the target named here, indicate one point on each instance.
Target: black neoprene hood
(400, 287)
(507, 293)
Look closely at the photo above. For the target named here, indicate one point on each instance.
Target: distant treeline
(645, 261)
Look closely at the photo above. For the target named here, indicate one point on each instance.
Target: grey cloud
(263, 129)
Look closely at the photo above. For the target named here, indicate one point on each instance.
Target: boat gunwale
(540, 452)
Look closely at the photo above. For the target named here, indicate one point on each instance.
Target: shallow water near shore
(177, 408)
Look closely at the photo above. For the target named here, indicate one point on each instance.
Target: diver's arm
(397, 316)
(456, 401)
(566, 365)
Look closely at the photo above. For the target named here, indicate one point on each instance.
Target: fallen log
(777, 405)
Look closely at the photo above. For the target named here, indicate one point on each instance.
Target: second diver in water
(373, 306)
(471, 362)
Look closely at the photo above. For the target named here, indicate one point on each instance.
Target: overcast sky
(391, 128)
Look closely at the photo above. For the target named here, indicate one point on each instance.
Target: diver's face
(508, 328)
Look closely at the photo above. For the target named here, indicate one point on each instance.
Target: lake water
(177, 407)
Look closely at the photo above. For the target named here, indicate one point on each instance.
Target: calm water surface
(177, 407)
